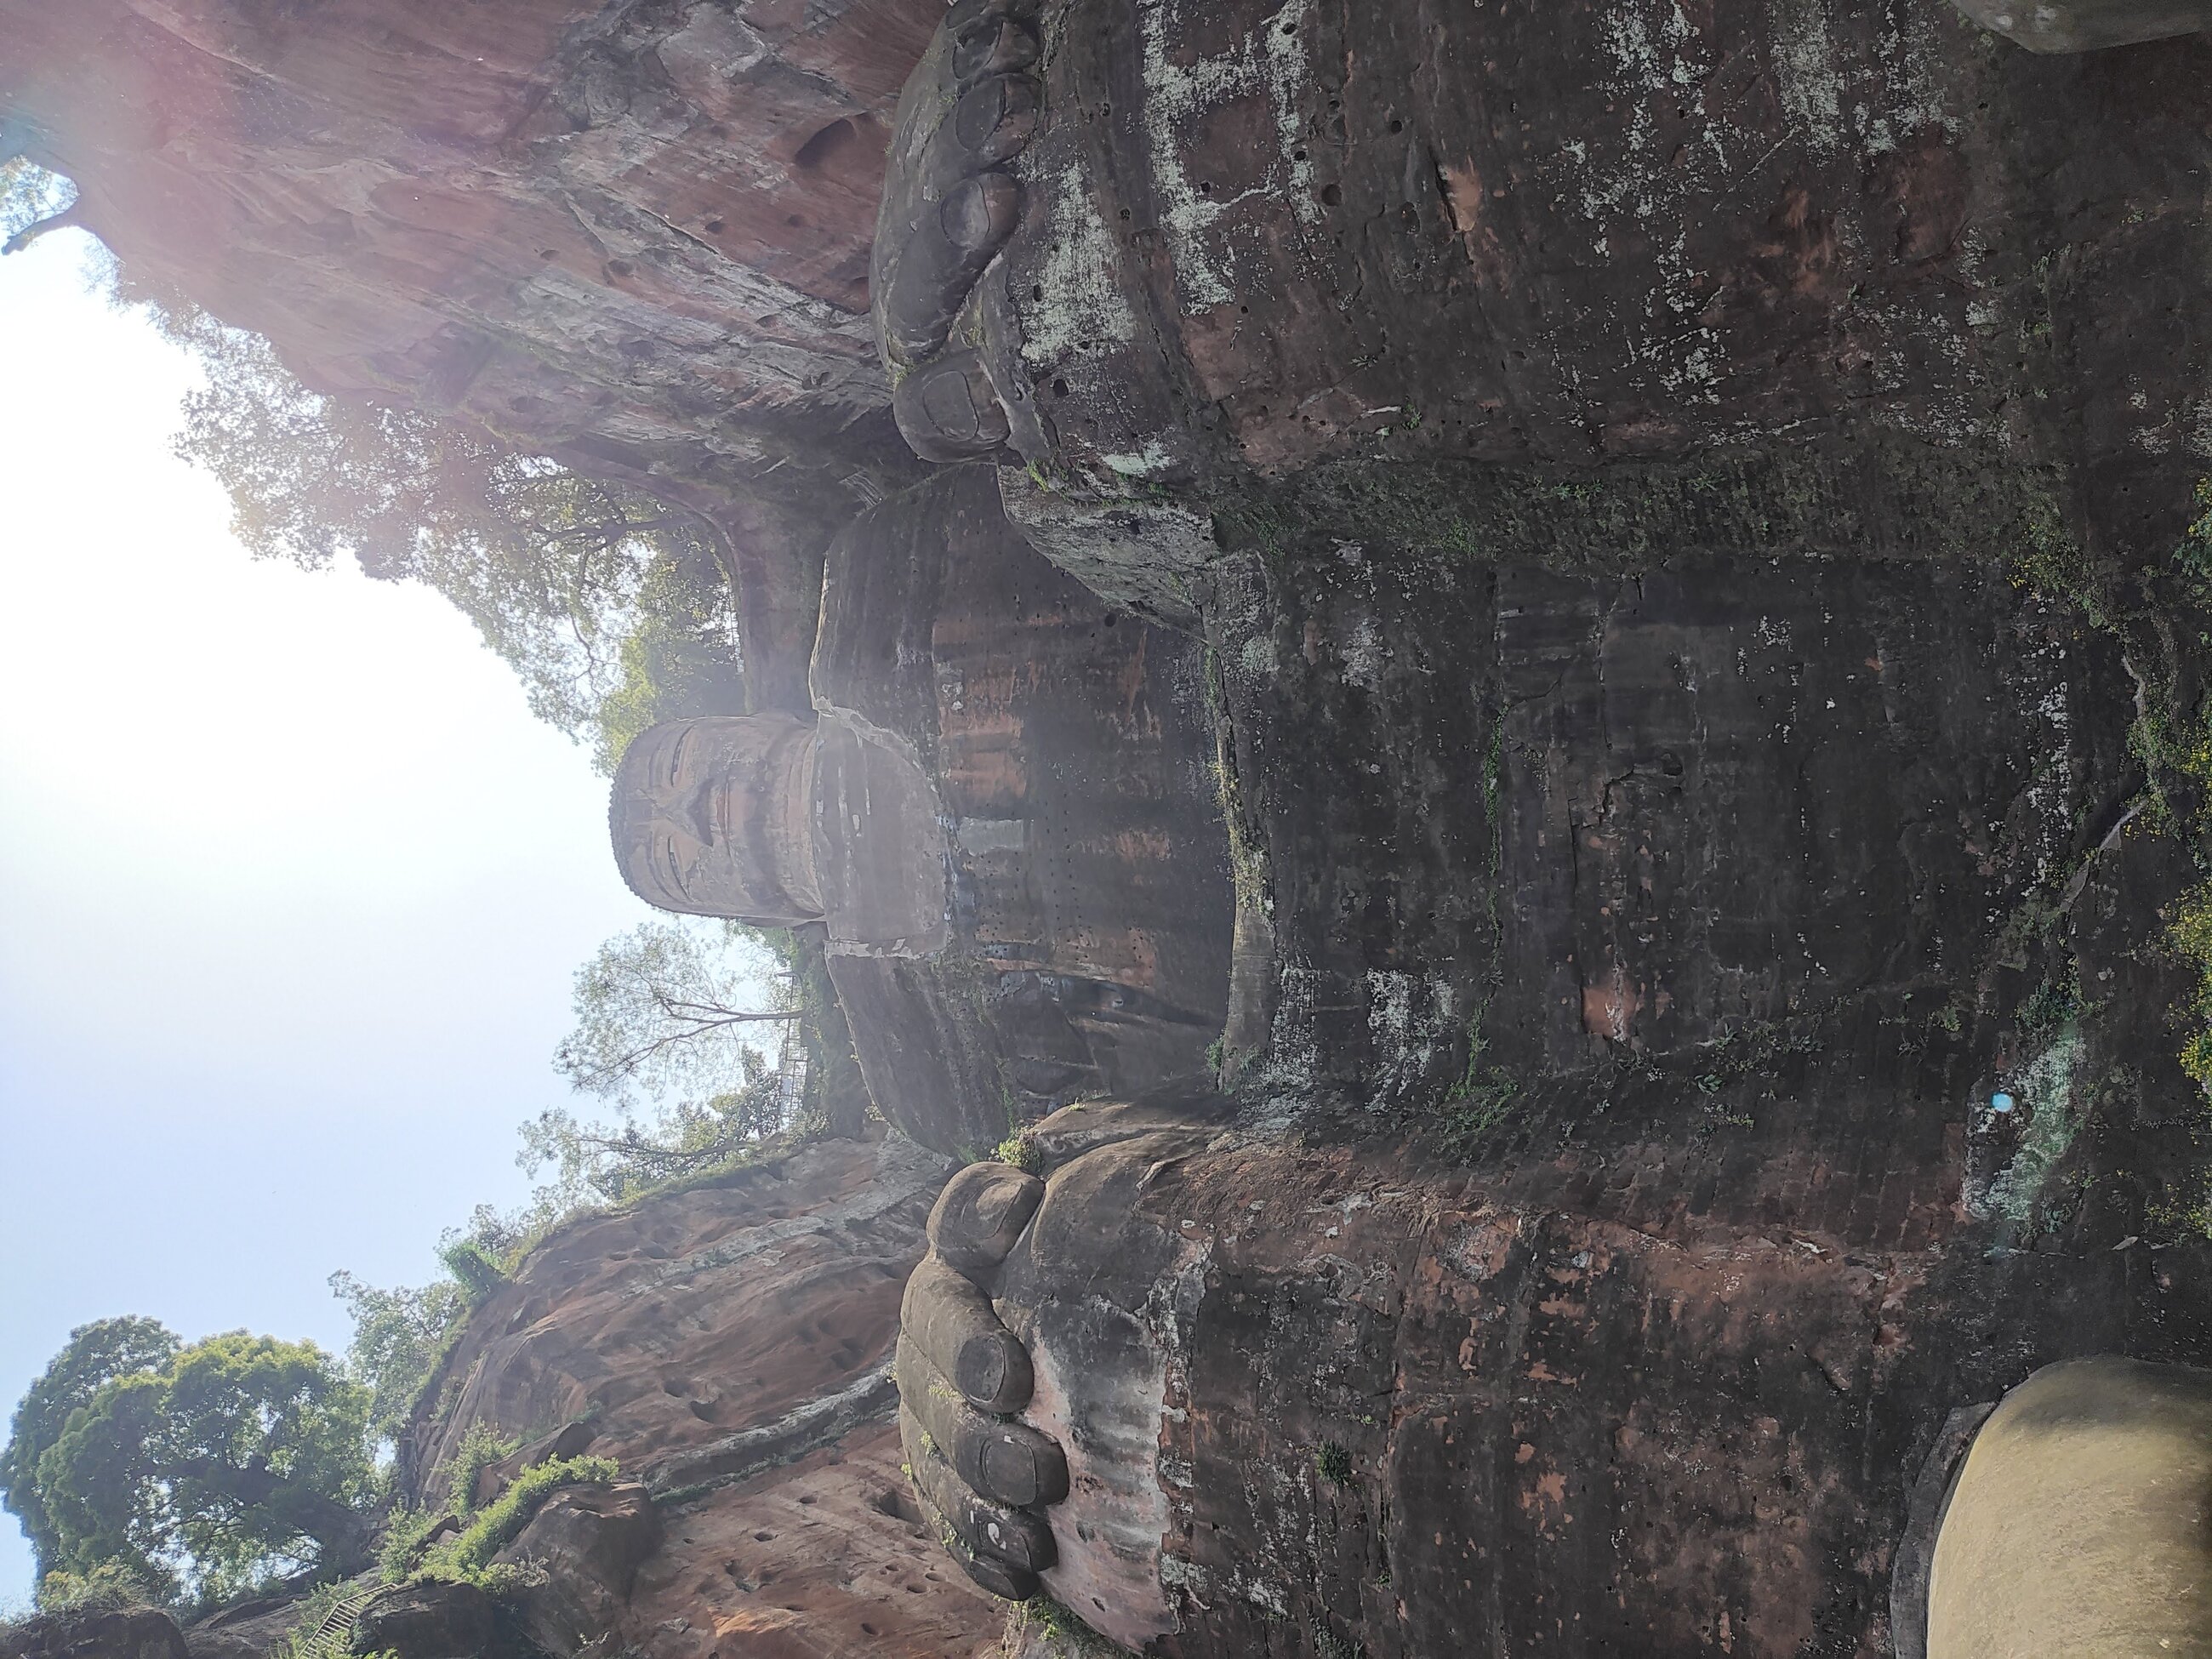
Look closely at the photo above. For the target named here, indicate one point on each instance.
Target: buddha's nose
(697, 815)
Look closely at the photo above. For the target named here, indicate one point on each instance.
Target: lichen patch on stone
(1082, 304)
(1177, 95)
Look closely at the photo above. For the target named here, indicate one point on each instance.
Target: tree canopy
(671, 1008)
(670, 1021)
(205, 1468)
(96, 1355)
(32, 201)
(610, 605)
(397, 1336)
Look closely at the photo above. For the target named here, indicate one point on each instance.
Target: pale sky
(292, 886)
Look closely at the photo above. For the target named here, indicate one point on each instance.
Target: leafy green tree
(667, 666)
(397, 1337)
(240, 1458)
(666, 1019)
(32, 201)
(609, 1163)
(668, 1009)
(610, 605)
(400, 1334)
(96, 1356)
(475, 1268)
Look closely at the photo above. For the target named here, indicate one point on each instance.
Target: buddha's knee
(2080, 1522)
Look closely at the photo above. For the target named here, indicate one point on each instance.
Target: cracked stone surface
(1317, 260)
(730, 1348)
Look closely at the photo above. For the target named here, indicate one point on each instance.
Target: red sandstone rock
(571, 220)
(435, 1618)
(126, 1633)
(729, 1346)
(582, 1549)
(634, 238)
(245, 1630)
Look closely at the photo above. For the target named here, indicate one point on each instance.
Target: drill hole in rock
(826, 145)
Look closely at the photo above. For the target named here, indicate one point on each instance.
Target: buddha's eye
(676, 758)
(674, 870)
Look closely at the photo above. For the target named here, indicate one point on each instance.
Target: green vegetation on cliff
(397, 1336)
(610, 605)
(420, 1544)
(497, 1526)
(666, 1021)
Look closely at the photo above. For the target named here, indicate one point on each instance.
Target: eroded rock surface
(1801, 281)
(126, 1633)
(1593, 816)
(435, 1619)
(730, 1348)
(630, 233)
(244, 1630)
(2089, 25)
(1679, 504)
(639, 223)
(582, 1550)
(1068, 748)
(1617, 1201)
(1638, 1394)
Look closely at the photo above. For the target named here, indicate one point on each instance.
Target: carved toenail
(992, 46)
(995, 118)
(979, 213)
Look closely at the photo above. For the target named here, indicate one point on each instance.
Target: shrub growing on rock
(469, 1555)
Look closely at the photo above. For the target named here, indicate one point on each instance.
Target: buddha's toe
(947, 410)
(938, 272)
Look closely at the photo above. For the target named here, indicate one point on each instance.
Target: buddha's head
(714, 816)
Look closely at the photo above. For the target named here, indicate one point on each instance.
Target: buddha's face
(714, 816)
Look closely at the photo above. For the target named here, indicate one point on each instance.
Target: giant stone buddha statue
(779, 822)
(1717, 1041)
(1002, 815)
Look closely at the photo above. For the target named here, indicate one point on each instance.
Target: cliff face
(641, 223)
(1722, 1024)
(1616, 280)
(1720, 1017)
(633, 235)
(728, 1346)
(1680, 507)
(1717, 798)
